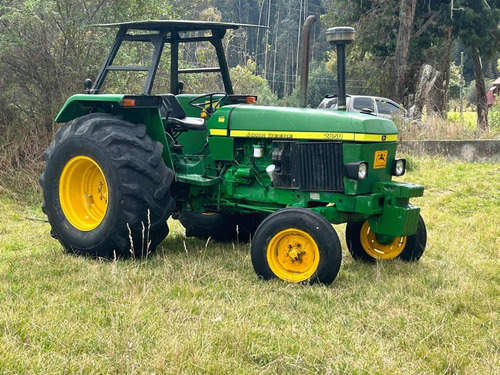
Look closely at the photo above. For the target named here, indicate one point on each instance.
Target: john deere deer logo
(380, 159)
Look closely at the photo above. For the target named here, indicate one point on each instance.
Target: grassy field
(199, 308)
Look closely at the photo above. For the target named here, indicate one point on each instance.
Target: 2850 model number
(333, 135)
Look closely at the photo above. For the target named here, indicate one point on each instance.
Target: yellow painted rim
(293, 255)
(377, 250)
(83, 193)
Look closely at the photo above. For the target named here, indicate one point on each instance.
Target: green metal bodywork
(329, 125)
(84, 104)
(215, 170)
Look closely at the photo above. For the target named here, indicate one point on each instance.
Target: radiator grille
(321, 166)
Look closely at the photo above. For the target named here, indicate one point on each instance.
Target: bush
(494, 116)
(245, 81)
(470, 91)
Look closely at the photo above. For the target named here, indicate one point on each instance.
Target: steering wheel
(208, 106)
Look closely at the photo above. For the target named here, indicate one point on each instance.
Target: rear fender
(133, 108)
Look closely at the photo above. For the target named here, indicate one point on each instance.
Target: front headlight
(356, 171)
(362, 171)
(398, 167)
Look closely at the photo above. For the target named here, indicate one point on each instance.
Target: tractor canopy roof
(172, 32)
(177, 25)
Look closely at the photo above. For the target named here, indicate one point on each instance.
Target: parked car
(381, 107)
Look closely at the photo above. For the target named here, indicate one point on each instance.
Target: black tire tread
(309, 221)
(144, 182)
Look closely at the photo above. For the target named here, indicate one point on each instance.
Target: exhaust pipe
(340, 36)
(304, 60)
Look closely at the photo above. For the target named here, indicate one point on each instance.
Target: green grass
(470, 118)
(199, 308)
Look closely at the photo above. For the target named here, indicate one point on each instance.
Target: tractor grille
(321, 166)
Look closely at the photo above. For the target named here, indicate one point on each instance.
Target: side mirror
(87, 84)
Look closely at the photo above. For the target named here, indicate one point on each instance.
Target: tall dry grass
(21, 159)
(437, 128)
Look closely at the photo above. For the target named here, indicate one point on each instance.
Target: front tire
(367, 246)
(106, 189)
(296, 245)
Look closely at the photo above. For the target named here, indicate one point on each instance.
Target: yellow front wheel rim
(293, 255)
(379, 250)
(83, 193)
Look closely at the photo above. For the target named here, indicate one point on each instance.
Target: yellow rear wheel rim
(83, 193)
(378, 250)
(293, 255)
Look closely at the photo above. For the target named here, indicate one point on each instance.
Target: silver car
(375, 105)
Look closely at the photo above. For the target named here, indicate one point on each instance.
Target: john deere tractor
(225, 167)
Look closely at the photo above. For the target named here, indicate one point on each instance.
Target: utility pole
(462, 83)
(298, 42)
(275, 48)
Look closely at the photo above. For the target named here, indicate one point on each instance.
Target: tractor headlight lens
(398, 167)
(362, 171)
(356, 171)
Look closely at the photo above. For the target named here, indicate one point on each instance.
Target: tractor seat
(172, 111)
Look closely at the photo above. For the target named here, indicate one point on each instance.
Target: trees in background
(46, 49)
(402, 50)
(400, 37)
(476, 24)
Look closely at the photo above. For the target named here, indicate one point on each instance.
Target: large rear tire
(296, 245)
(106, 189)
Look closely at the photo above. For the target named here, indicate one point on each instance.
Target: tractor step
(196, 179)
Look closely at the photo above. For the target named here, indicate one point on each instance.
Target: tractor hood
(299, 123)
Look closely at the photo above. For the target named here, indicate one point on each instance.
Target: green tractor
(225, 167)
